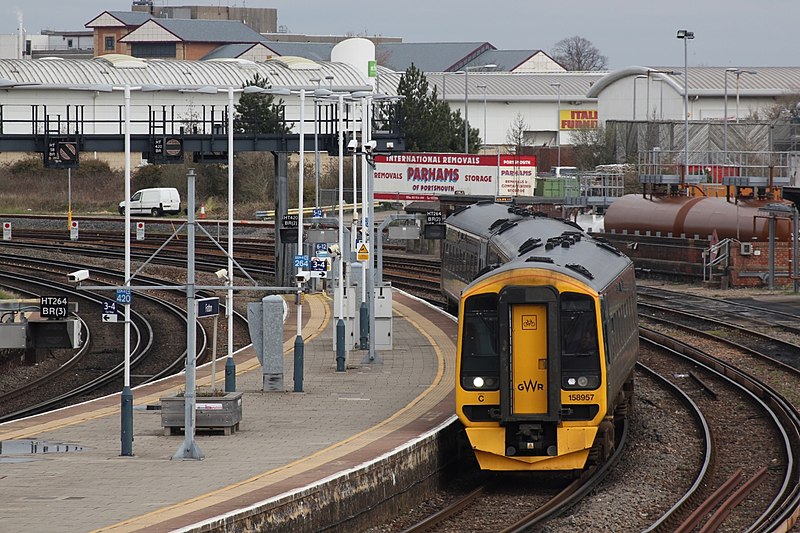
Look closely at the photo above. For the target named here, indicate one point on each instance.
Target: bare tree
(577, 53)
(515, 135)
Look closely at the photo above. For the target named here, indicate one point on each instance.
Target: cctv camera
(334, 250)
(369, 146)
(303, 276)
(222, 273)
(352, 145)
(78, 275)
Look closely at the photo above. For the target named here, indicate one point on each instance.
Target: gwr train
(547, 338)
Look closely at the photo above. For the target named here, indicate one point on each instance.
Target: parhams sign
(423, 176)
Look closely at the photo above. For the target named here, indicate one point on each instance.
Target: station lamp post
(558, 120)
(466, 104)
(686, 35)
(483, 87)
(639, 77)
(739, 72)
(126, 403)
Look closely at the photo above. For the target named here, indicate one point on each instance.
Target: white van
(565, 171)
(157, 202)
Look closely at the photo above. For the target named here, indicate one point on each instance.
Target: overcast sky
(730, 33)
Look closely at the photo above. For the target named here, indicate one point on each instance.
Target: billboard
(425, 176)
(571, 119)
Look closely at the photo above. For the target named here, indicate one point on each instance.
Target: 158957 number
(581, 397)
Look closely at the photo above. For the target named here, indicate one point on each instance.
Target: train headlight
(479, 382)
(581, 382)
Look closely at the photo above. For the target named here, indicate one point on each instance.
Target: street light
(686, 35)
(725, 118)
(739, 73)
(340, 333)
(639, 77)
(316, 147)
(466, 107)
(671, 73)
(484, 112)
(558, 121)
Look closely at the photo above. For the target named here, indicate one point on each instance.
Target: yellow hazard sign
(363, 253)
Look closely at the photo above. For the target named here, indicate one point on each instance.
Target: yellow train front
(547, 339)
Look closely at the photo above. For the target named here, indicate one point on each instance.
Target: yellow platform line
(432, 395)
(319, 318)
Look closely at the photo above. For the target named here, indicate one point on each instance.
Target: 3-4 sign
(109, 311)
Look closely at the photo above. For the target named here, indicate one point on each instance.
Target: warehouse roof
(429, 57)
(710, 81)
(120, 70)
(503, 86)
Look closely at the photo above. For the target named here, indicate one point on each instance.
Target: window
(69, 43)
(109, 43)
(479, 356)
(579, 346)
(153, 50)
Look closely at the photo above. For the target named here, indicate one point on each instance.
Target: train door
(528, 359)
(530, 367)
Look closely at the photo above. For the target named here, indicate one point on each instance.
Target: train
(547, 337)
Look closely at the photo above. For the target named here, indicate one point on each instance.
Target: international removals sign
(424, 177)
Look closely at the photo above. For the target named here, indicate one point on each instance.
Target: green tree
(428, 123)
(258, 113)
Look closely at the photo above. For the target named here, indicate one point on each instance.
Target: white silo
(359, 53)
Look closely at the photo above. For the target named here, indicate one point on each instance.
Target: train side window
(479, 336)
(579, 343)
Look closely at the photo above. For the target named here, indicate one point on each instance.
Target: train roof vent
(580, 269)
(575, 235)
(529, 245)
(498, 222)
(460, 209)
(505, 227)
(484, 270)
(552, 242)
(539, 259)
(608, 247)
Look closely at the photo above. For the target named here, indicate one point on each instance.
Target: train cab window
(480, 363)
(580, 354)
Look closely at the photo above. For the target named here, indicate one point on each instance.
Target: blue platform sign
(301, 261)
(321, 249)
(207, 307)
(317, 213)
(123, 296)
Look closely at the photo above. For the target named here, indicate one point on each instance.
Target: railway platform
(288, 444)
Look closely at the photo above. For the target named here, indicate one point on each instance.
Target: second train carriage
(547, 337)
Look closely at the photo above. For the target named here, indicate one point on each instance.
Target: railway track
(657, 308)
(97, 368)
